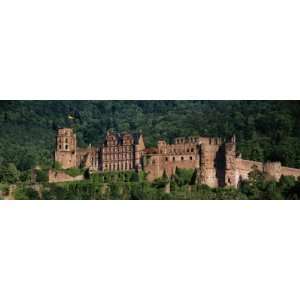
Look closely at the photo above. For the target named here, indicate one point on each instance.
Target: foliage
(42, 175)
(266, 130)
(26, 193)
(9, 173)
(74, 172)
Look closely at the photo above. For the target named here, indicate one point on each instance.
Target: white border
(136, 49)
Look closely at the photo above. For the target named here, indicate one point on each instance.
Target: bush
(26, 193)
(73, 172)
(42, 176)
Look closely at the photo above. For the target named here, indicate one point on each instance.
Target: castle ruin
(215, 159)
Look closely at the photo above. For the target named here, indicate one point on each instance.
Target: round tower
(272, 170)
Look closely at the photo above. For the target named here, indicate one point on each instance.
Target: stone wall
(290, 172)
(244, 167)
(272, 170)
(61, 176)
(158, 163)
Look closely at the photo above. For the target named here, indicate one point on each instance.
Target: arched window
(191, 158)
(66, 140)
(59, 146)
(182, 158)
(188, 150)
(167, 159)
(192, 150)
(66, 147)
(173, 158)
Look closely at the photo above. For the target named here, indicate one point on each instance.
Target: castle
(215, 159)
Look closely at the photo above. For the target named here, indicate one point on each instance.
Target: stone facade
(122, 152)
(119, 152)
(215, 159)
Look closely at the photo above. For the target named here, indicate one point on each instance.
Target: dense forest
(265, 130)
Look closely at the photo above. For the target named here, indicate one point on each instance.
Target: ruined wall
(60, 176)
(272, 170)
(290, 172)
(244, 167)
(156, 164)
(88, 158)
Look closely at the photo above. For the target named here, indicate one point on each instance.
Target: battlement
(199, 140)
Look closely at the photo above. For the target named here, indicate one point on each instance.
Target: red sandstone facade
(215, 159)
(119, 152)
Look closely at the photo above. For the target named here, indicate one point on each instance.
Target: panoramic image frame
(149, 150)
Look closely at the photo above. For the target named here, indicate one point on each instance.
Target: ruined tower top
(66, 140)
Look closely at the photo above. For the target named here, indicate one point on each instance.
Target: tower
(207, 170)
(65, 153)
(230, 163)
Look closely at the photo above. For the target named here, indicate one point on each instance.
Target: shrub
(73, 172)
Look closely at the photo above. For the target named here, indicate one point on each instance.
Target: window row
(179, 151)
(174, 159)
(118, 167)
(120, 156)
(65, 148)
(117, 149)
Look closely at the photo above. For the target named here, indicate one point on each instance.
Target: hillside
(265, 130)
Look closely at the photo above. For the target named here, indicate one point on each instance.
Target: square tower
(65, 153)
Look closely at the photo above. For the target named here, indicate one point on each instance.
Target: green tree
(9, 173)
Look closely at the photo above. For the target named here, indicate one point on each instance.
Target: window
(153, 162)
(167, 159)
(66, 140)
(192, 150)
(188, 150)
(66, 147)
(191, 158)
(182, 158)
(59, 146)
(173, 158)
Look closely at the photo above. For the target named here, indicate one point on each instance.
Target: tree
(9, 173)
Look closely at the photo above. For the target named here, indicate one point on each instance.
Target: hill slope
(266, 130)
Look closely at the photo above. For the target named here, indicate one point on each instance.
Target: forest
(265, 131)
